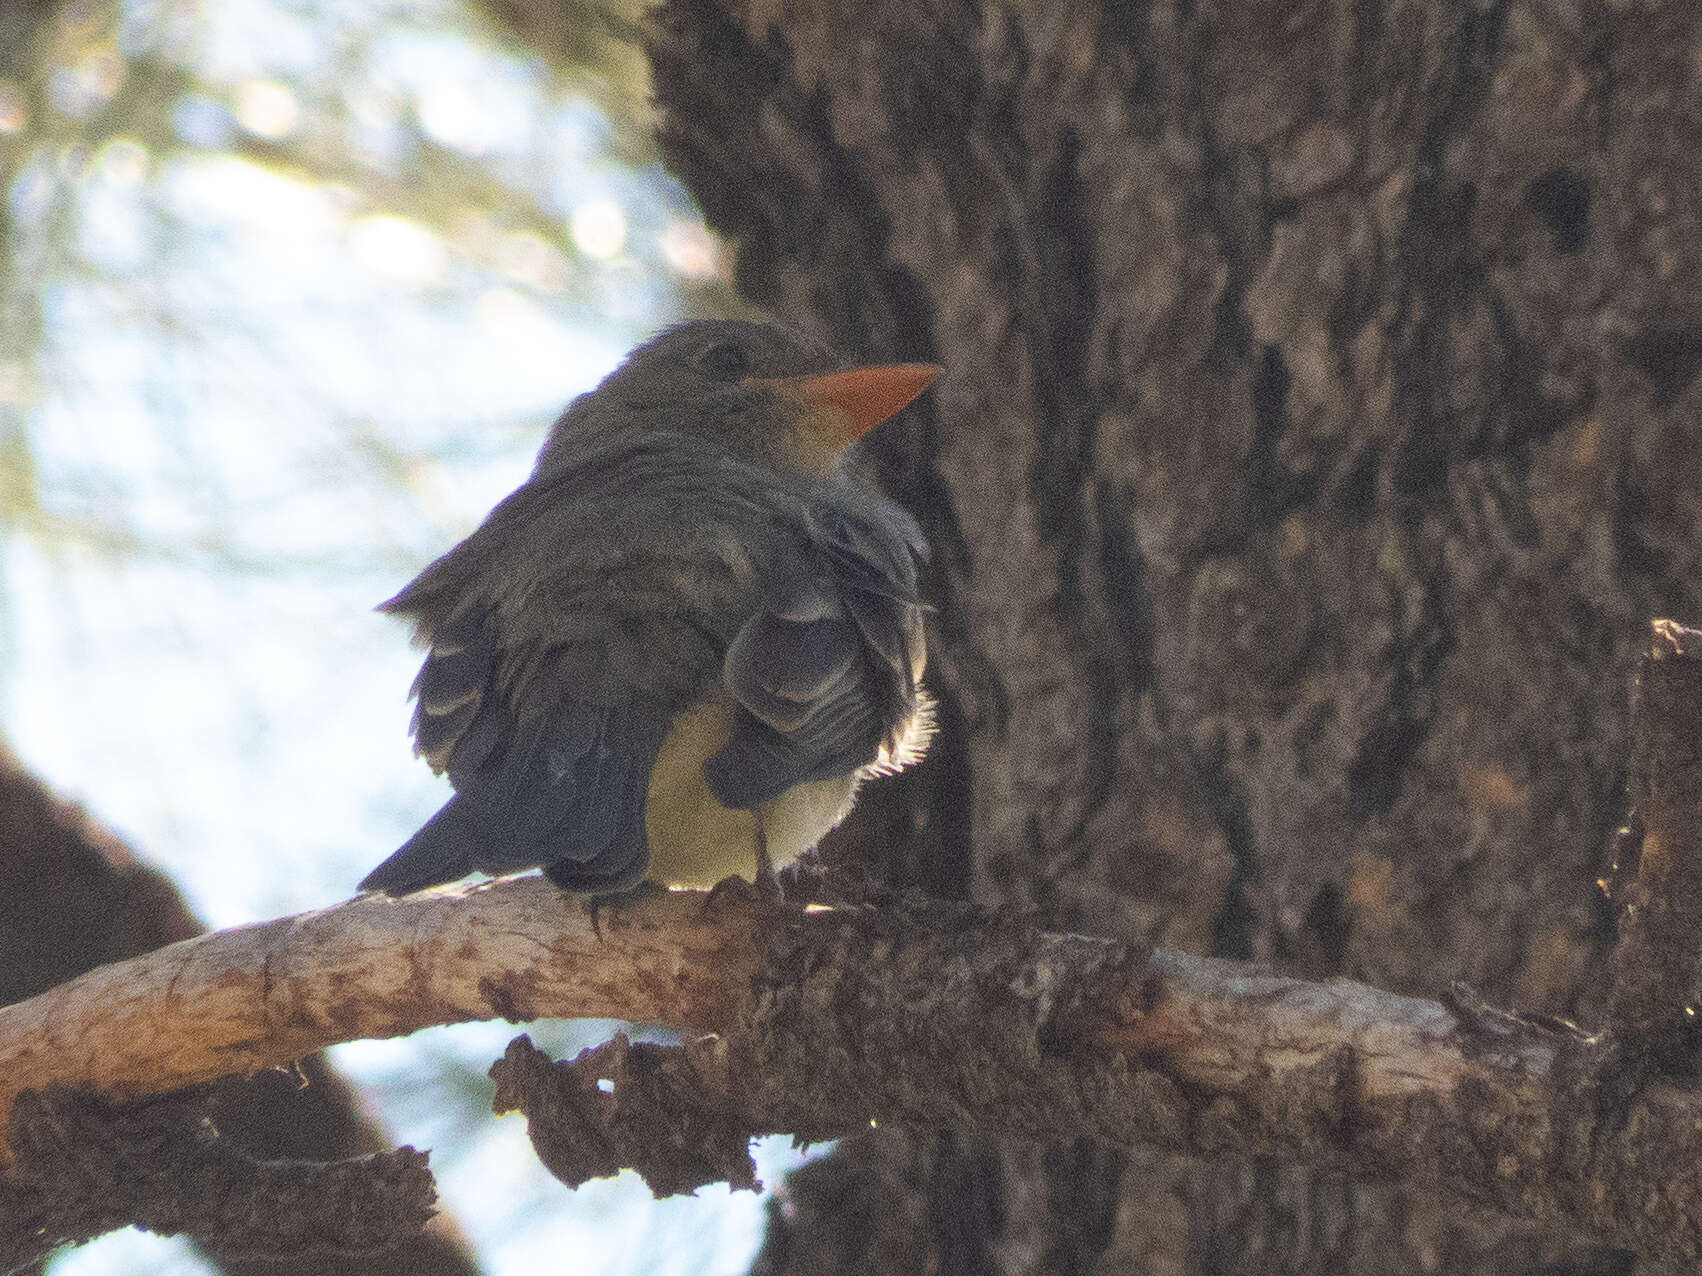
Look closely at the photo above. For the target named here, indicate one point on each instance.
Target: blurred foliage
(592, 44)
(498, 159)
(288, 291)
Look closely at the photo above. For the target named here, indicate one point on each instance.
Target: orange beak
(838, 408)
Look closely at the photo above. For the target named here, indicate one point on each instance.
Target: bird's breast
(694, 840)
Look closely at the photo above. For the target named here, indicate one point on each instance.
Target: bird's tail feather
(440, 852)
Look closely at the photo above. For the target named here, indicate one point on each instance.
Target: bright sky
(264, 400)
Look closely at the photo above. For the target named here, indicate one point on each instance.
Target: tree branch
(74, 897)
(821, 1022)
(254, 997)
(826, 1021)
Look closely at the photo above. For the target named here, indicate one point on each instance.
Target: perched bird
(680, 646)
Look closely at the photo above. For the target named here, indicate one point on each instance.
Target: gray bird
(680, 646)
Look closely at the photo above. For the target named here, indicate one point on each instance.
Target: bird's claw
(618, 900)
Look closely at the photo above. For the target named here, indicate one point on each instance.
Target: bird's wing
(562, 786)
(825, 673)
(550, 768)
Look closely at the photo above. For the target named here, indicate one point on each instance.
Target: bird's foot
(615, 901)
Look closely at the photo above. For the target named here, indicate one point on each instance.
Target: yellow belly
(694, 840)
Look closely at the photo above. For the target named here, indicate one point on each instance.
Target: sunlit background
(289, 292)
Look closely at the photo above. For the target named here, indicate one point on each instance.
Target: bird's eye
(727, 361)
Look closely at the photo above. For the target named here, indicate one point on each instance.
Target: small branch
(929, 1015)
(88, 1165)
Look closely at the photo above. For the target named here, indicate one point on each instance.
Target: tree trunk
(1318, 434)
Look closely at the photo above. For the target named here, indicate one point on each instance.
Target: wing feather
(825, 673)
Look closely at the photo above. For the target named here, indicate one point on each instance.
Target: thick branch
(257, 996)
(933, 1015)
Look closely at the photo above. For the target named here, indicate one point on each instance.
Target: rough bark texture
(868, 1020)
(1319, 431)
(1657, 964)
(822, 1023)
(73, 897)
(87, 1165)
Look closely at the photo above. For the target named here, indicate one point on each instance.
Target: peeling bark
(925, 1017)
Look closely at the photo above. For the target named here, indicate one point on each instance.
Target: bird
(676, 651)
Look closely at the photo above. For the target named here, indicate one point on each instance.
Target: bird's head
(756, 389)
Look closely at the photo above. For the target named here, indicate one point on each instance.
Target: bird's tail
(440, 852)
